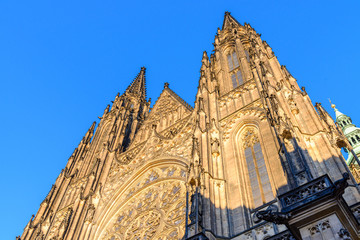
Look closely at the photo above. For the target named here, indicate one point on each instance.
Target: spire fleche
(138, 85)
(229, 21)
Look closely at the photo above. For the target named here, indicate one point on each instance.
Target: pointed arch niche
(254, 166)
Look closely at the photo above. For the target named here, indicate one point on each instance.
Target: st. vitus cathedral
(254, 159)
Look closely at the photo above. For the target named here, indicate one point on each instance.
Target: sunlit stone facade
(253, 141)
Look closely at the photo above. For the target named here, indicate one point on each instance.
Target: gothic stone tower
(178, 172)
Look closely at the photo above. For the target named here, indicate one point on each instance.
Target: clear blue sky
(62, 62)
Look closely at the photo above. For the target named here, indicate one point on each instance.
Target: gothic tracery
(157, 212)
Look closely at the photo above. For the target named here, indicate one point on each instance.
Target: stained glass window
(230, 62)
(258, 175)
(234, 69)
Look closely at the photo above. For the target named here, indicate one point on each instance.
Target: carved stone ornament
(179, 147)
(306, 191)
(60, 223)
(90, 213)
(271, 214)
(316, 188)
(128, 156)
(236, 93)
(319, 228)
(158, 212)
(344, 234)
(156, 174)
(215, 147)
(227, 124)
(250, 138)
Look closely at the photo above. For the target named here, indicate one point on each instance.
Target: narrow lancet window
(258, 175)
(235, 60)
(234, 69)
(247, 56)
(230, 62)
(233, 79)
(239, 77)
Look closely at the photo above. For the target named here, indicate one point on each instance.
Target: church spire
(230, 21)
(352, 133)
(343, 121)
(89, 133)
(138, 85)
(338, 114)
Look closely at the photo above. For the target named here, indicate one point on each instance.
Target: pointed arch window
(232, 61)
(247, 55)
(234, 69)
(258, 174)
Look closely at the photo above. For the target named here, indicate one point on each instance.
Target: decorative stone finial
(166, 85)
(304, 91)
(205, 56)
(143, 68)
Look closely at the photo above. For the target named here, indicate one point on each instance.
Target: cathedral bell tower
(76, 192)
(133, 108)
(352, 133)
(249, 73)
(260, 136)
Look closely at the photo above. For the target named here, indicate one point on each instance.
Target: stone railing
(306, 193)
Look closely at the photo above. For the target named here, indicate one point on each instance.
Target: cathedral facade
(248, 161)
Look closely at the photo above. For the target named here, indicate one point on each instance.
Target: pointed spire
(337, 112)
(92, 128)
(352, 133)
(138, 85)
(205, 59)
(345, 123)
(89, 133)
(204, 63)
(229, 21)
(205, 56)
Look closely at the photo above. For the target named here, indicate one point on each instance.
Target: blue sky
(62, 62)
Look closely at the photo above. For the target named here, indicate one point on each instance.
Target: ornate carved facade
(253, 145)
